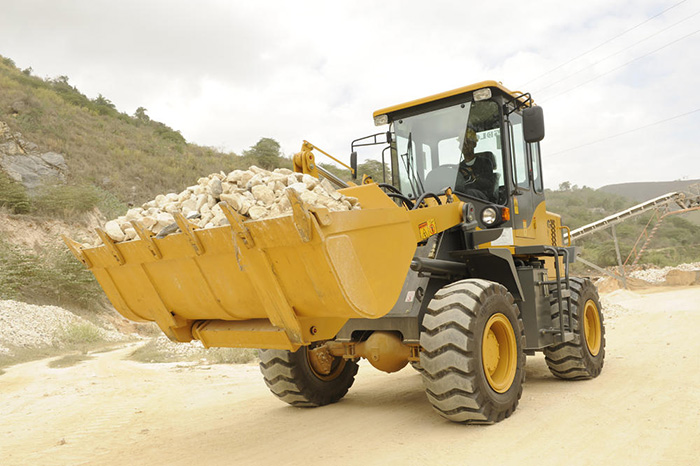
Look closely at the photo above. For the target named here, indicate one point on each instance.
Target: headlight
(489, 216)
(482, 94)
(380, 120)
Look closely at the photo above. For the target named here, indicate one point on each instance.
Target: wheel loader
(453, 265)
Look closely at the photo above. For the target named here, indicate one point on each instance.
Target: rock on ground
(32, 326)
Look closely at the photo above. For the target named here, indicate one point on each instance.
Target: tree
(265, 154)
(104, 101)
(373, 168)
(140, 114)
(565, 186)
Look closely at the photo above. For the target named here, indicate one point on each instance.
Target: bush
(13, 195)
(66, 201)
(64, 280)
(17, 271)
(50, 276)
(79, 333)
(109, 204)
(169, 134)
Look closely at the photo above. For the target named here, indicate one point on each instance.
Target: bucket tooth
(300, 215)
(236, 221)
(111, 246)
(147, 237)
(76, 249)
(188, 229)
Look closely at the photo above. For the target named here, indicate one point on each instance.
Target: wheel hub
(591, 327)
(499, 353)
(323, 365)
(491, 353)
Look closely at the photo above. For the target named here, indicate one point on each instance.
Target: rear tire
(292, 379)
(583, 357)
(472, 359)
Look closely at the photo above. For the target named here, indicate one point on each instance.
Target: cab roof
(447, 94)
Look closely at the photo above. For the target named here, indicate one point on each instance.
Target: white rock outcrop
(255, 193)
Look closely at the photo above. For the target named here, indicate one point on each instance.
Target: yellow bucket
(272, 283)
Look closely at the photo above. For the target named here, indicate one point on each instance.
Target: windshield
(457, 147)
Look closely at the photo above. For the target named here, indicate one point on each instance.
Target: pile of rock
(660, 275)
(25, 325)
(255, 193)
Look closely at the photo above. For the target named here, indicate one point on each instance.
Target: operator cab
(473, 141)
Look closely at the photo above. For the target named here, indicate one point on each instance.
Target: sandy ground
(643, 409)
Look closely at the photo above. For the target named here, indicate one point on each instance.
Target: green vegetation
(266, 154)
(79, 334)
(371, 168)
(48, 276)
(13, 195)
(68, 202)
(676, 241)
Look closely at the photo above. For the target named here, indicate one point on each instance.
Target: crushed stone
(255, 193)
(32, 326)
(658, 275)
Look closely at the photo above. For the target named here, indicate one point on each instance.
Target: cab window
(521, 176)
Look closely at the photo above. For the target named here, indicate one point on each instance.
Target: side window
(520, 167)
(427, 155)
(536, 167)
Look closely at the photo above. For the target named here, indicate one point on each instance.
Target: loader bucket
(274, 283)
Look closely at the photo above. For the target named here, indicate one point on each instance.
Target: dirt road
(643, 409)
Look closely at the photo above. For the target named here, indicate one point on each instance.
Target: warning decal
(427, 228)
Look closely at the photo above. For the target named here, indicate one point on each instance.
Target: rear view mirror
(533, 124)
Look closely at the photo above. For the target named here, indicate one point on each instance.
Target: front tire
(583, 357)
(472, 359)
(291, 377)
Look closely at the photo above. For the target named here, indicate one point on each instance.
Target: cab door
(523, 200)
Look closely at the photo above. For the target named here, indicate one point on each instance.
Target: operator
(475, 175)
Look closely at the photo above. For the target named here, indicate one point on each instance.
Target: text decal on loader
(427, 228)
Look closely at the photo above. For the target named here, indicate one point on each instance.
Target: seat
(493, 196)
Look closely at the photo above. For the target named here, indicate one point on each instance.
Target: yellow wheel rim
(499, 353)
(336, 369)
(591, 327)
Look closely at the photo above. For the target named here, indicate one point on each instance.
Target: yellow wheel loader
(452, 264)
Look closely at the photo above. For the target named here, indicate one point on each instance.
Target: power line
(627, 132)
(616, 53)
(623, 65)
(605, 42)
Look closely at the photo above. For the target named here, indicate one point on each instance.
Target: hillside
(648, 190)
(131, 157)
(641, 192)
(675, 242)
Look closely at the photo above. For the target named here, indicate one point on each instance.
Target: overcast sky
(617, 79)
